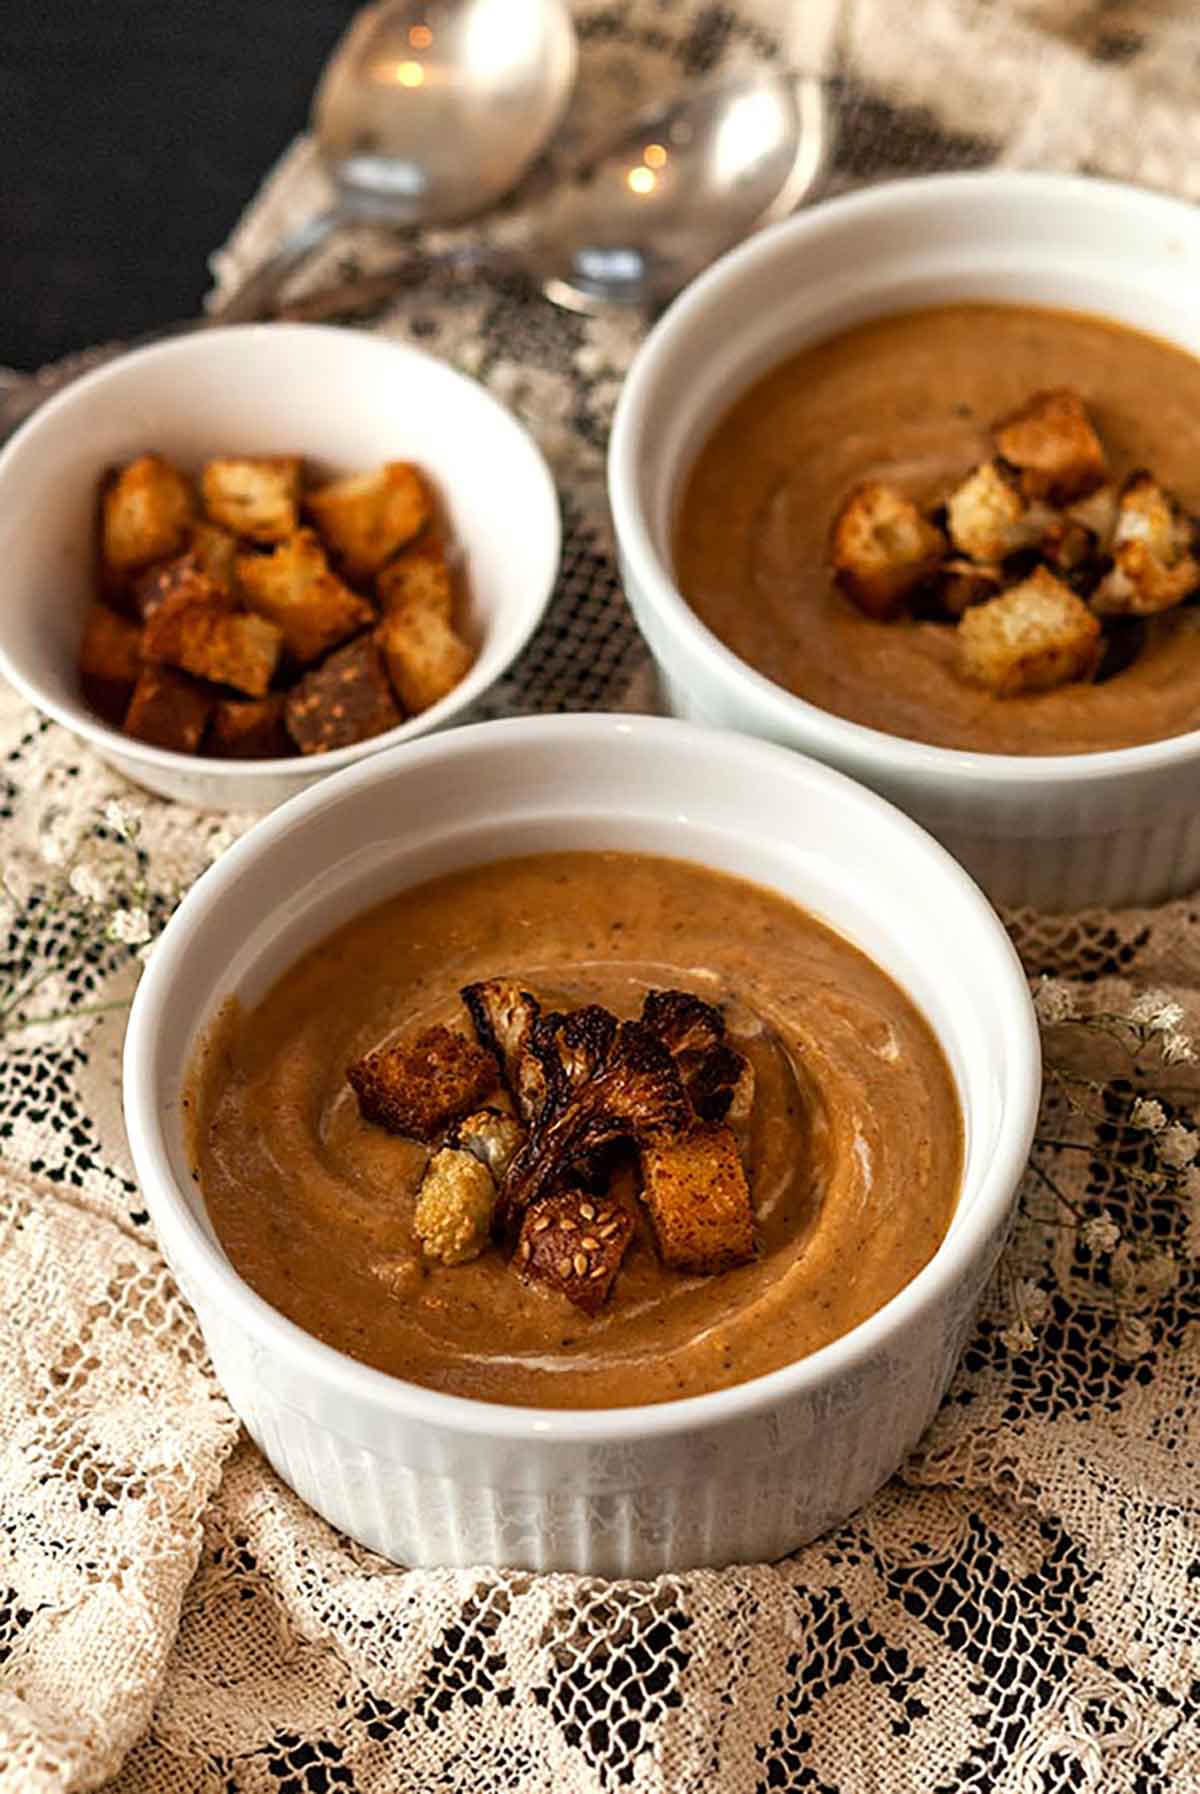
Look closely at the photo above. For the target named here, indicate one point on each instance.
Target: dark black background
(132, 133)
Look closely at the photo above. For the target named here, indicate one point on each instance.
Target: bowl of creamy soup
(575, 1154)
(875, 380)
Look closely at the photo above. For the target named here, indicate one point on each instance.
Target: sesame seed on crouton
(1051, 442)
(146, 513)
(366, 517)
(256, 496)
(1033, 637)
(419, 1086)
(882, 548)
(297, 590)
(573, 1242)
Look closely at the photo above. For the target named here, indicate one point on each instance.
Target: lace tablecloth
(1019, 1610)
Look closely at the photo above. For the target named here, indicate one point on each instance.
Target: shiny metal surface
(428, 112)
(680, 186)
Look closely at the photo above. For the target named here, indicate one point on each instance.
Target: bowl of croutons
(244, 558)
(912, 483)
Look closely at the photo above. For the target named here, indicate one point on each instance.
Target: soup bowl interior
(491, 792)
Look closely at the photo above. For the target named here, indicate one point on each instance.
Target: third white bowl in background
(341, 399)
(1058, 832)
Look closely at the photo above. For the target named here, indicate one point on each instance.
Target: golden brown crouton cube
(1154, 566)
(1033, 637)
(1052, 443)
(168, 710)
(110, 661)
(249, 729)
(419, 1086)
(344, 700)
(215, 552)
(257, 496)
(146, 513)
(295, 587)
(178, 584)
(366, 517)
(698, 1200)
(882, 548)
(574, 1243)
(419, 579)
(988, 518)
(425, 657)
(212, 642)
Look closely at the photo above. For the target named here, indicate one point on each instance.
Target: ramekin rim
(329, 1368)
(470, 689)
(787, 711)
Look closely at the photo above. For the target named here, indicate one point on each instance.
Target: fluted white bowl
(340, 398)
(1055, 831)
(740, 1474)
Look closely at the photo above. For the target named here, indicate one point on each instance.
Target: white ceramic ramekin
(342, 399)
(1058, 832)
(741, 1474)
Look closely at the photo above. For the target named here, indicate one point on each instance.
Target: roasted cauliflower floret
(1051, 442)
(1154, 566)
(493, 1137)
(882, 548)
(988, 518)
(503, 1015)
(453, 1215)
(1031, 638)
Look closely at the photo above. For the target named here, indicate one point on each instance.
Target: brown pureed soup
(854, 1151)
(909, 399)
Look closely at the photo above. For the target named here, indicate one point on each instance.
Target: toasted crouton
(168, 710)
(146, 514)
(574, 1243)
(425, 657)
(249, 729)
(254, 496)
(296, 589)
(1033, 637)
(211, 642)
(177, 585)
(215, 552)
(420, 579)
(696, 1193)
(419, 1086)
(1154, 567)
(110, 661)
(882, 548)
(988, 518)
(344, 700)
(1052, 443)
(366, 517)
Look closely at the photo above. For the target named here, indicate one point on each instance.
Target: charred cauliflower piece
(493, 1137)
(693, 1032)
(683, 1022)
(882, 548)
(1154, 567)
(988, 517)
(631, 1090)
(1051, 443)
(453, 1215)
(419, 1086)
(1033, 637)
(503, 1015)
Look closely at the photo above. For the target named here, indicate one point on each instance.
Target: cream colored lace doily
(1018, 1611)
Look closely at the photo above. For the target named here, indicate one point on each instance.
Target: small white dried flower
(1156, 1010)
(129, 926)
(1100, 1234)
(89, 881)
(1133, 1338)
(1054, 1001)
(1177, 1049)
(121, 818)
(1148, 1114)
(1178, 1145)
(1033, 1304)
(57, 838)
